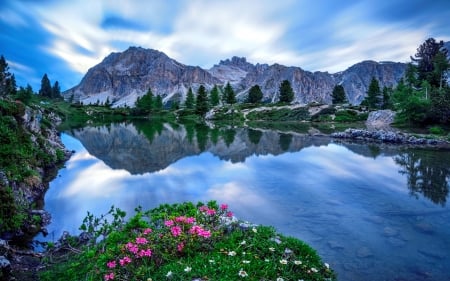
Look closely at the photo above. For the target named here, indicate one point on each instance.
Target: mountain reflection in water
(373, 212)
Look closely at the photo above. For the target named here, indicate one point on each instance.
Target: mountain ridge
(122, 77)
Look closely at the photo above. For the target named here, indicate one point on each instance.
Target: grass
(185, 242)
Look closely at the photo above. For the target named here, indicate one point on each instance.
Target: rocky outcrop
(122, 77)
(388, 137)
(380, 120)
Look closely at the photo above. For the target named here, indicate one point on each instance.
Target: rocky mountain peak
(124, 76)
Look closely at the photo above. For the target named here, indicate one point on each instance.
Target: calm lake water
(373, 212)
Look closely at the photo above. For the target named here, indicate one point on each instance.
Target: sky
(64, 38)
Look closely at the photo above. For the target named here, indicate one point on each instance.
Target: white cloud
(203, 32)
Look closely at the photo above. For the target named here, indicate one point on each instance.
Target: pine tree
(46, 88)
(387, 102)
(338, 95)
(229, 95)
(286, 93)
(255, 94)
(158, 104)
(7, 80)
(424, 58)
(214, 98)
(373, 98)
(202, 105)
(56, 91)
(189, 103)
(145, 103)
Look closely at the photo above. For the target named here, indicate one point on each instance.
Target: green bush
(184, 242)
(437, 130)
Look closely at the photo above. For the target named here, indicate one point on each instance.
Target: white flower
(242, 273)
(254, 229)
(327, 265)
(212, 261)
(283, 261)
(297, 262)
(232, 253)
(188, 269)
(245, 261)
(169, 274)
(272, 249)
(280, 279)
(243, 242)
(314, 270)
(267, 260)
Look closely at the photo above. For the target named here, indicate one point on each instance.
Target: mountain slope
(123, 77)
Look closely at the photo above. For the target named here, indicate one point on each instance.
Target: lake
(373, 212)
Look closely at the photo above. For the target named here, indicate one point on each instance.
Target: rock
(364, 252)
(335, 245)
(386, 137)
(380, 120)
(396, 242)
(389, 232)
(5, 267)
(432, 253)
(424, 227)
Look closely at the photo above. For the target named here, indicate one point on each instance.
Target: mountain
(123, 77)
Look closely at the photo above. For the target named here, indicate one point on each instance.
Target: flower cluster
(173, 236)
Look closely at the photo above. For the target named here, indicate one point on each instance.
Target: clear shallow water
(372, 212)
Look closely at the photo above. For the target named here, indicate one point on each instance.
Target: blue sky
(65, 38)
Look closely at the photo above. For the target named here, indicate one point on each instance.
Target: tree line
(422, 97)
(203, 101)
(8, 86)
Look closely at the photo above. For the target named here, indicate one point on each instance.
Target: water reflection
(426, 173)
(349, 201)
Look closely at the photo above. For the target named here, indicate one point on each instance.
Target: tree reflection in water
(427, 174)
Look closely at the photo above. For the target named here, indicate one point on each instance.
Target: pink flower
(180, 247)
(145, 253)
(168, 223)
(211, 212)
(111, 264)
(194, 229)
(141, 240)
(147, 231)
(203, 208)
(223, 207)
(205, 233)
(190, 220)
(229, 214)
(176, 230)
(132, 247)
(180, 219)
(109, 276)
(124, 261)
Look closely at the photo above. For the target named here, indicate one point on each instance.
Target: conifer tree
(189, 103)
(229, 95)
(286, 93)
(202, 105)
(46, 88)
(338, 95)
(56, 90)
(255, 94)
(214, 98)
(373, 98)
(7, 80)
